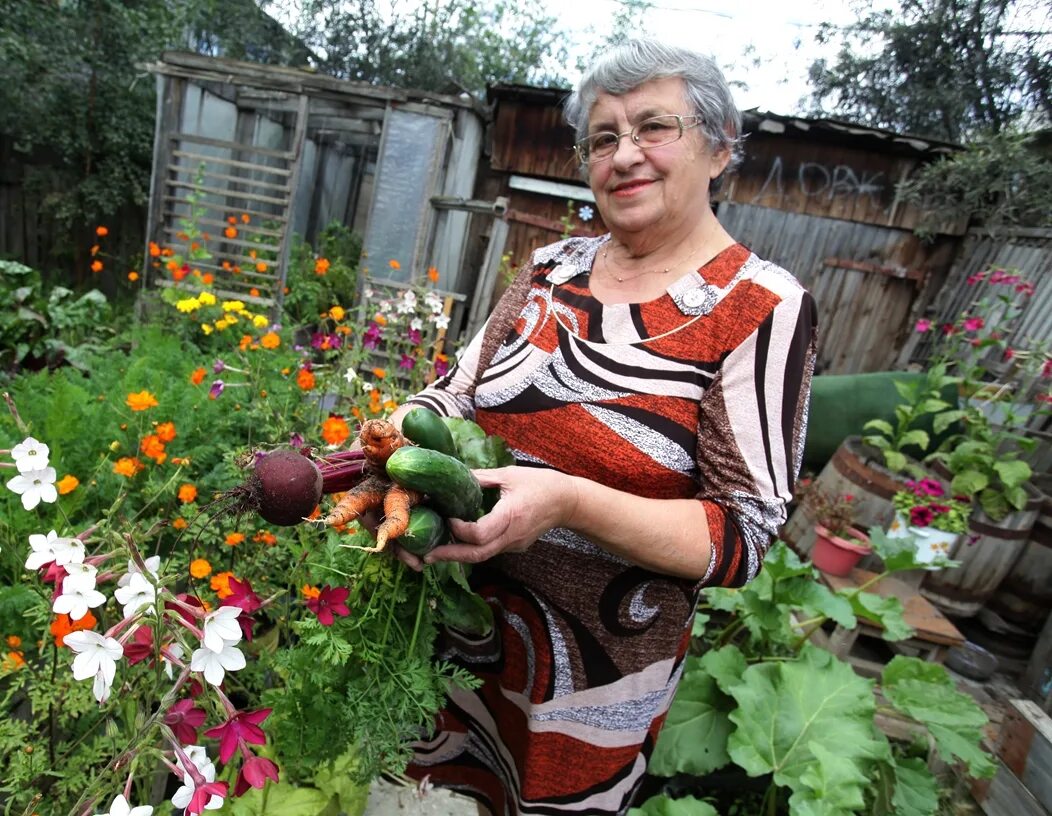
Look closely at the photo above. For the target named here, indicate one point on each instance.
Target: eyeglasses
(653, 132)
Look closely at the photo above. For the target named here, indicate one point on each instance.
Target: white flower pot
(928, 542)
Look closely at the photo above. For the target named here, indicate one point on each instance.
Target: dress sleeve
(753, 420)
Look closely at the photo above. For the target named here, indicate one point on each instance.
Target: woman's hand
(532, 502)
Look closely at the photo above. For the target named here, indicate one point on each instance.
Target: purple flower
(296, 440)
(373, 335)
(216, 389)
(218, 366)
(407, 362)
(317, 340)
(441, 368)
(414, 336)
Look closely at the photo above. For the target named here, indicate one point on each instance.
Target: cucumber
(425, 532)
(451, 488)
(427, 429)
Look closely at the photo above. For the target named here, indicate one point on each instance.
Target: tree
(447, 46)
(946, 69)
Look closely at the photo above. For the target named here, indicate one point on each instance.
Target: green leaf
(886, 612)
(694, 738)
(916, 437)
(916, 790)
(881, 425)
(945, 419)
(726, 666)
(994, 504)
(664, 806)
(934, 406)
(788, 709)
(334, 780)
(968, 483)
(1016, 496)
(1013, 474)
(895, 460)
(279, 799)
(833, 785)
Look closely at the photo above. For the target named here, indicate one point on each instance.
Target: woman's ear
(720, 159)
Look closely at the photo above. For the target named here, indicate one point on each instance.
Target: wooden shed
(815, 196)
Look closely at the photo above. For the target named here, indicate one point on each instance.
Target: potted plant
(839, 544)
(935, 519)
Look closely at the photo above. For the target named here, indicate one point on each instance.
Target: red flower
(140, 646)
(203, 795)
(330, 601)
(184, 719)
(920, 516)
(243, 726)
(254, 773)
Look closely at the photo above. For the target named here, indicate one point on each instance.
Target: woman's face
(665, 187)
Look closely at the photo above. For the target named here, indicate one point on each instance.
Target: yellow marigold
(337, 313)
(187, 493)
(260, 321)
(180, 524)
(310, 592)
(67, 484)
(233, 306)
(390, 405)
(222, 324)
(187, 305)
(200, 568)
(127, 466)
(270, 340)
(394, 264)
(321, 266)
(141, 401)
(305, 379)
(221, 584)
(233, 539)
(206, 328)
(335, 430)
(165, 431)
(207, 298)
(13, 641)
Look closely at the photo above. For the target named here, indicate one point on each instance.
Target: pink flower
(407, 362)
(922, 325)
(254, 773)
(244, 725)
(973, 323)
(330, 601)
(1026, 288)
(203, 795)
(441, 368)
(1009, 353)
(976, 278)
(948, 329)
(140, 646)
(1046, 369)
(929, 487)
(414, 336)
(184, 719)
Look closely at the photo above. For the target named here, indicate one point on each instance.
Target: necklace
(665, 271)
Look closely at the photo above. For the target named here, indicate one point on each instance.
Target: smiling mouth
(629, 187)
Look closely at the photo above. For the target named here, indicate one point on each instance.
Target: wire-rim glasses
(656, 131)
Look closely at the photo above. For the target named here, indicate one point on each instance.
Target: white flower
(97, 657)
(30, 455)
(350, 375)
(585, 213)
(368, 293)
(221, 628)
(440, 321)
(433, 302)
(138, 593)
(153, 566)
(367, 386)
(197, 755)
(35, 486)
(79, 576)
(120, 807)
(407, 305)
(51, 547)
(176, 651)
(76, 600)
(416, 324)
(215, 664)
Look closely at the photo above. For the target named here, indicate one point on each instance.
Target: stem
(419, 615)
(394, 601)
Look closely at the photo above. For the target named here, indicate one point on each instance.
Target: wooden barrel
(987, 553)
(848, 471)
(1025, 596)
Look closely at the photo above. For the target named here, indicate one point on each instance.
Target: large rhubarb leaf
(830, 786)
(726, 666)
(788, 708)
(925, 692)
(664, 806)
(694, 738)
(916, 792)
(883, 611)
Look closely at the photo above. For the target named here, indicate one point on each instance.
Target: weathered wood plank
(1005, 795)
(1025, 748)
(248, 181)
(261, 168)
(262, 151)
(228, 193)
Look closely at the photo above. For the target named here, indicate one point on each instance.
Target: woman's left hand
(532, 502)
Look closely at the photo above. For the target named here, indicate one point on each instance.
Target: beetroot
(286, 487)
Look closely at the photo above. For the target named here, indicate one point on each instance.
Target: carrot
(397, 503)
(379, 440)
(365, 495)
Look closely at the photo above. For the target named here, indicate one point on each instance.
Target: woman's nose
(627, 152)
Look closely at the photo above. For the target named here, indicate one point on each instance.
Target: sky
(764, 45)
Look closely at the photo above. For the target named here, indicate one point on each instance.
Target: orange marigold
(127, 466)
(265, 537)
(13, 641)
(379, 373)
(200, 568)
(310, 592)
(141, 401)
(221, 584)
(102, 232)
(187, 493)
(432, 274)
(153, 447)
(321, 266)
(230, 232)
(133, 276)
(208, 278)
(254, 292)
(270, 340)
(67, 484)
(96, 266)
(261, 266)
(155, 249)
(62, 625)
(380, 320)
(394, 264)
(305, 379)
(197, 376)
(233, 539)
(335, 430)
(180, 524)
(165, 431)
(244, 218)
(13, 661)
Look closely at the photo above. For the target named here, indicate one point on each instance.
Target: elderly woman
(652, 384)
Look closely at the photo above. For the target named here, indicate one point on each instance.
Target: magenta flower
(976, 278)
(184, 718)
(203, 795)
(973, 323)
(243, 726)
(1046, 369)
(920, 516)
(140, 646)
(330, 601)
(218, 366)
(441, 368)
(414, 336)
(216, 389)
(254, 773)
(407, 362)
(373, 335)
(929, 487)
(922, 325)
(242, 596)
(296, 440)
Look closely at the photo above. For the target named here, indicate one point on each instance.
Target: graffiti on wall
(823, 182)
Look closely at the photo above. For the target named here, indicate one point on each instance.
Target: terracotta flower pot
(838, 556)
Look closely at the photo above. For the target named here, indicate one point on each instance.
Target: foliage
(1000, 179)
(47, 329)
(925, 503)
(318, 278)
(946, 69)
(762, 698)
(449, 46)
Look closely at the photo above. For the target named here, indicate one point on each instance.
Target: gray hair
(635, 62)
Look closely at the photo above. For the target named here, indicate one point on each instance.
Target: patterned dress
(700, 393)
